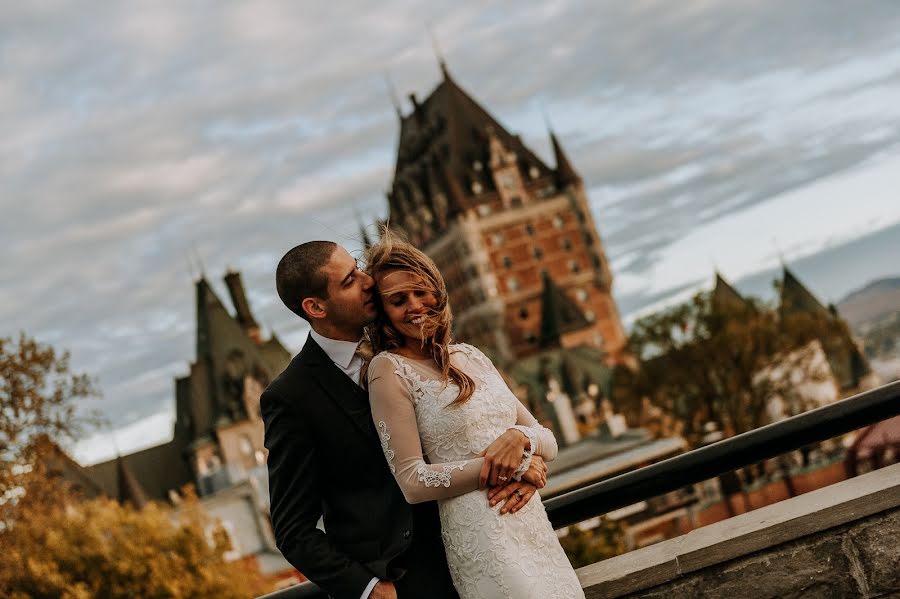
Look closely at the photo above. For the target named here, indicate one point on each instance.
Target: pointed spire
(559, 314)
(363, 234)
(241, 305)
(199, 260)
(724, 296)
(565, 174)
(392, 92)
(442, 64)
(795, 297)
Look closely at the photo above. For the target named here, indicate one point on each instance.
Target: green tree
(723, 361)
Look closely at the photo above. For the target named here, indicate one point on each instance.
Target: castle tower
(499, 223)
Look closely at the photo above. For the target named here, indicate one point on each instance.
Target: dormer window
(476, 187)
(477, 166)
(534, 173)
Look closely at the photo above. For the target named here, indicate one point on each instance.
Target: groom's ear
(314, 308)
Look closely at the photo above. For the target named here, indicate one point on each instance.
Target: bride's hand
(502, 458)
(537, 472)
(515, 494)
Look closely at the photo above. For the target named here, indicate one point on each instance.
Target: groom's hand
(383, 589)
(516, 495)
(502, 458)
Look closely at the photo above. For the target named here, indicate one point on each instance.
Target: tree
(57, 544)
(724, 361)
(39, 407)
(101, 549)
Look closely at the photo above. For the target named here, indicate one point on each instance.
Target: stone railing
(838, 541)
(611, 579)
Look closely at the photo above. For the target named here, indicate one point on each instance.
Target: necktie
(366, 353)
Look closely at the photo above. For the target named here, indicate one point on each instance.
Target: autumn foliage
(57, 544)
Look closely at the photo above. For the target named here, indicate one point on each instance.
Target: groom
(325, 458)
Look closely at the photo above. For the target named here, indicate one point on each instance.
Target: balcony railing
(701, 464)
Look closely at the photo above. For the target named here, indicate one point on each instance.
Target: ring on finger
(520, 493)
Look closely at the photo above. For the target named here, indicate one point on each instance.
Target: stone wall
(839, 541)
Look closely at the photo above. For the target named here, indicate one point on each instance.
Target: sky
(145, 142)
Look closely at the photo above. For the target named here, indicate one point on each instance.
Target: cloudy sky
(142, 138)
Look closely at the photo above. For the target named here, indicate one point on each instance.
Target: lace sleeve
(543, 443)
(394, 413)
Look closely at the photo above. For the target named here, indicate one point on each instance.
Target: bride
(437, 407)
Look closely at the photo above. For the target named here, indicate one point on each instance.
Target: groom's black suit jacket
(325, 459)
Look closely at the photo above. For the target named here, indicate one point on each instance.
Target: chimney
(417, 108)
(241, 306)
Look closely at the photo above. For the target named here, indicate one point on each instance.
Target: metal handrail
(703, 463)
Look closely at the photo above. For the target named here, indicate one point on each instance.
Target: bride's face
(408, 303)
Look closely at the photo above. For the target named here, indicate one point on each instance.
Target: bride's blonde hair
(393, 253)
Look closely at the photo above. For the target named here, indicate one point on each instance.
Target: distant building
(217, 442)
(838, 365)
(849, 365)
(500, 224)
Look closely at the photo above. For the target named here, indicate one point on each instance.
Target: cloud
(134, 133)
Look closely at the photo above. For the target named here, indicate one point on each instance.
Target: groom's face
(350, 305)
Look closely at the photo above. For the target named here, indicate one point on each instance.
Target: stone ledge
(863, 557)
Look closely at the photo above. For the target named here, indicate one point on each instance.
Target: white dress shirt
(343, 354)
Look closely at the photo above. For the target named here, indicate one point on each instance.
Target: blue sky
(709, 134)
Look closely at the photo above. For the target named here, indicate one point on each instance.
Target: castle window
(531, 338)
(523, 313)
(537, 252)
(507, 262)
(507, 180)
(566, 244)
(515, 202)
(573, 266)
(529, 229)
(590, 316)
(581, 295)
(512, 283)
(498, 238)
(558, 221)
(477, 166)
(534, 173)
(483, 209)
(477, 188)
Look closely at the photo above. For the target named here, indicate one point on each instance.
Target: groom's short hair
(299, 274)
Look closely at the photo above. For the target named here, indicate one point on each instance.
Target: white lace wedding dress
(433, 449)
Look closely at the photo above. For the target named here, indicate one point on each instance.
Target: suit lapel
(348, 396)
